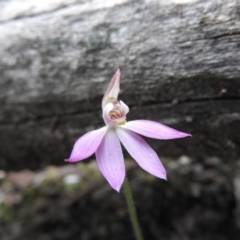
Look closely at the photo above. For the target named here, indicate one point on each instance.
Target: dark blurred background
(180, 66)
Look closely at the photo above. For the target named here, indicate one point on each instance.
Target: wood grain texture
(180, 65)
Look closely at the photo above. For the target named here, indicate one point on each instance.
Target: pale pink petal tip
(116, 186)
(70, 160)
(164, 175)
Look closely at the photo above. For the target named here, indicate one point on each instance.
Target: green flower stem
(131, 210)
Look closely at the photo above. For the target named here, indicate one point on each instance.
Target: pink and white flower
(105, 142)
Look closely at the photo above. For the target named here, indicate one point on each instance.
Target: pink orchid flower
(105, 142)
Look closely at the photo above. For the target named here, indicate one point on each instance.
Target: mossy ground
(197, 202)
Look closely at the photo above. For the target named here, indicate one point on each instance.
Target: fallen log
(179, 61)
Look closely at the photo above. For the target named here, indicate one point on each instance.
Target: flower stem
(131, 210)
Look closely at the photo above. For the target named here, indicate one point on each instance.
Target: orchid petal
(87, 145)
(154, 130)
(145, 156)
(113, 88)
(110, 159)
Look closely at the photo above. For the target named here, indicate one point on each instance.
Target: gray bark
(180, 66)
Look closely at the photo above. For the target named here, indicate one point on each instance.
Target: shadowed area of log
(49, 140)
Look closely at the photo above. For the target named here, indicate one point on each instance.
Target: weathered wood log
(180, 65)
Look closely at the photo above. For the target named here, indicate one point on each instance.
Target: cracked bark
(180, 66)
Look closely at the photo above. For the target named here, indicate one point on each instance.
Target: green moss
(72, 187)
(6, 214)
(31, 195)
